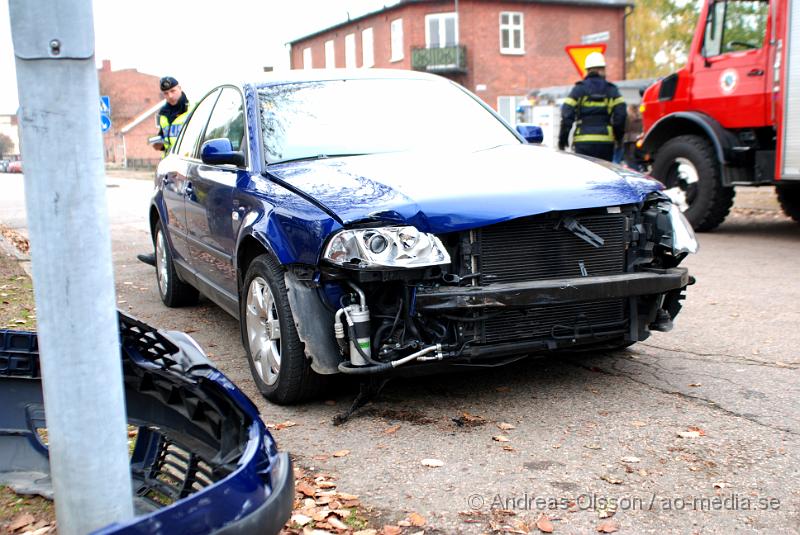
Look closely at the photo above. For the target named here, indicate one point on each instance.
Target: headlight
(683, 240)
(386, 247)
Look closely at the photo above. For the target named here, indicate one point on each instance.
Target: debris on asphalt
(608, 526)
(432, 463)
(543, 524)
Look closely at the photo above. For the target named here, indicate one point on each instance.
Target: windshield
(346, 117)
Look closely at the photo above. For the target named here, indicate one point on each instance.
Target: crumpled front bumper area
(202, 462)
(551, 292)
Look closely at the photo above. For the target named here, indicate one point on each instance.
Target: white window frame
(330, 54)
(307, 62)
(396, 40)
(350, 51)
(367, 48)
(514, 101)
(510, 27)
(442, 32)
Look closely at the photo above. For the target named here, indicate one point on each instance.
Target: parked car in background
(366, 222)
(14, 167)
(3, 166)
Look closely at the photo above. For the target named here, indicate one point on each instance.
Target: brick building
(135, 98)
(498, 49)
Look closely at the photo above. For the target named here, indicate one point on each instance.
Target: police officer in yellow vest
(598, 111)
(169, 121)
(172, 115)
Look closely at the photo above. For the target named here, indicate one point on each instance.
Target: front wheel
(277, 359)
(789, 197)
(688, 168)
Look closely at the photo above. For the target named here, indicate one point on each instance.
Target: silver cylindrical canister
(361, 330)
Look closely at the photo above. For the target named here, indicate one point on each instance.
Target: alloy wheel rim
(161, 263)
(683, 181)
(263, 330)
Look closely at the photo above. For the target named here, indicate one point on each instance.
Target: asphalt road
(588, 429)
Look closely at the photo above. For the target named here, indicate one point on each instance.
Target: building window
(330, 55)
(350, 51)
(511, 41)
(441, 30)
(507, 108)
(307, 58)
(367, 49)
(397, 40)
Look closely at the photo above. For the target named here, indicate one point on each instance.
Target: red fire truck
(731, 116)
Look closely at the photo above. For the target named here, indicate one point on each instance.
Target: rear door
(213, 212)
(730, 76)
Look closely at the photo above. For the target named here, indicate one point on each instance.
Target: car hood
(458, 190)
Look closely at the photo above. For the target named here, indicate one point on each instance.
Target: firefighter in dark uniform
(597, 109)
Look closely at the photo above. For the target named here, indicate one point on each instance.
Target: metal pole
(458, 39)
(71, 256)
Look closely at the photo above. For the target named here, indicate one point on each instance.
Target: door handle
(188, 190)
(756, 72)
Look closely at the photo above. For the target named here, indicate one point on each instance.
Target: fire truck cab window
(735, 25)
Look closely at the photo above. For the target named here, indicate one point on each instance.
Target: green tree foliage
(658, 35)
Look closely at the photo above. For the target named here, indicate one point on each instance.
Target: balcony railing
(451, 59)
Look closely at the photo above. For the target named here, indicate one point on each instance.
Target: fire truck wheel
(789, 197)
(688, 167)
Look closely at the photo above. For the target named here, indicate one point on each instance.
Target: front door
(212, 215)
(730, 76)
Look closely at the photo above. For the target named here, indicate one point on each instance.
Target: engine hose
(346, 367)
(408, 318)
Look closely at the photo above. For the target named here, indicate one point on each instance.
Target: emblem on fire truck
(728, 80)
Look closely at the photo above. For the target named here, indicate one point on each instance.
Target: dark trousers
(604, 151)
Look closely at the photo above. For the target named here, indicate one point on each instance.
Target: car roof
(321, 75)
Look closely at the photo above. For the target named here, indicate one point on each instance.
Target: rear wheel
(173, 291)
(277, 359)
(688, 168)
(789, 197)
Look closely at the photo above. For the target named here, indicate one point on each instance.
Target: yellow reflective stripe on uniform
(593, 138)
(616, 101)
(570, 102)
(595, 103)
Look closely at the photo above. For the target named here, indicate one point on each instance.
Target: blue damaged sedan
(385, 221)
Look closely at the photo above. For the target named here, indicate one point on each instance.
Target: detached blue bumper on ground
(203, 461)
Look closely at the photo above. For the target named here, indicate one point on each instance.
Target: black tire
(294, 381)
(173, 291)
(789, 197)
(708, 201)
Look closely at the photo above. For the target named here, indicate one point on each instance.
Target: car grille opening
(532, 248)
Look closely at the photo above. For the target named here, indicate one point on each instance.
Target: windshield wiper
(318, 157)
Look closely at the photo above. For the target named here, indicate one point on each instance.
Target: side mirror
(531, 133)
(220, 152)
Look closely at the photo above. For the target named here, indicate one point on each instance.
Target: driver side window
(735, 25)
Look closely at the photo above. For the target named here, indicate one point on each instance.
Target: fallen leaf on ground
(503, 426)
(336, 523)
(638, 423)
(688, 434)
(341, 453)
(366, 532)
(695, 428)
(321, 457)
(21, 521)
(391, 530)
(543, 524)
(284, 425)
(508, 448)
(433, 463)
(306, 489)
(630, 459)
(611, 479)
(592, 446)
(300, 520)
(695, 384)
(501, 438)
(608, 526)
(404, 524)
(416, 520)
(391, 430)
